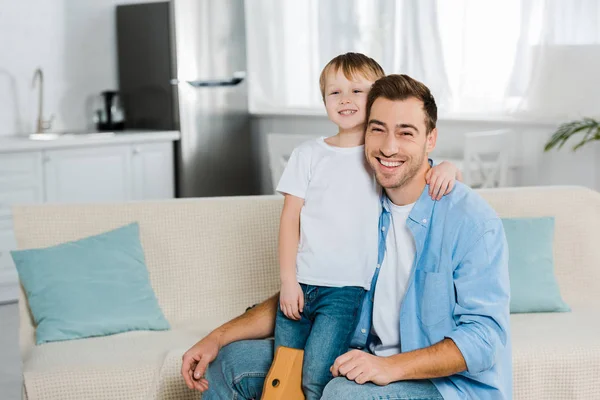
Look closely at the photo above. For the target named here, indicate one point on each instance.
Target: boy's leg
(292, 333)
(342, 388)
(239, 370)
(335, 317)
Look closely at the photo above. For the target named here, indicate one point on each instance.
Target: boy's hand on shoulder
(441, 179)
(291, 299)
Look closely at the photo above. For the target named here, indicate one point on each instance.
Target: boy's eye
(334, 92)
(357, 91)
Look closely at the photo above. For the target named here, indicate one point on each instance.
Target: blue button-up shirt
(458, 289)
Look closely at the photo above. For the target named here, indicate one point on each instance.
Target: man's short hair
(402, 87)
(351, 64)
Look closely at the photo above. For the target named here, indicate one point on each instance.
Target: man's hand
(362, 367)
(195, 361)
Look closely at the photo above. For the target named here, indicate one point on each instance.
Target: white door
(21, 182)
(85, 175)
(153, 171)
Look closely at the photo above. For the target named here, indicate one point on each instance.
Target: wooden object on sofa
(284, 380)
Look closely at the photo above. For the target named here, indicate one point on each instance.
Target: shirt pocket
(432, 297)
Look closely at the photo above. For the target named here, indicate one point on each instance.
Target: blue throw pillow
(531, 266)
(95, 286)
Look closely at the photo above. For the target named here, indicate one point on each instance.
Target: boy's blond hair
(351, 64)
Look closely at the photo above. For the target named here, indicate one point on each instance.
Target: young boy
(328, 231)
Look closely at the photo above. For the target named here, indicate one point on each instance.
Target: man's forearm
(256, 323)
(440, 360)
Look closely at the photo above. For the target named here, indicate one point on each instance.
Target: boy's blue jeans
(323, 331)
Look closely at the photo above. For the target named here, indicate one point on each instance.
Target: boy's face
(346, 100)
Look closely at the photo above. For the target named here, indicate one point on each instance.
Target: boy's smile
(346, 100)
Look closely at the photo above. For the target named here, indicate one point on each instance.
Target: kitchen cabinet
(136, 166)
(94, 174)
(153, 171)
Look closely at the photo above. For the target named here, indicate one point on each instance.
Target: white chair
(280, 147)
(486, 158)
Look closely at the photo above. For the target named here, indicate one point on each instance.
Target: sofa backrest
(211, 258)
(207, 258)
(576, 212)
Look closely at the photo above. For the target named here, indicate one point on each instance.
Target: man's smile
(389, 165)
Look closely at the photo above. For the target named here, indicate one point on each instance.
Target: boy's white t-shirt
(340, 216)
(393, 280)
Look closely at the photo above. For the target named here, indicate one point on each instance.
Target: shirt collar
(422, 210)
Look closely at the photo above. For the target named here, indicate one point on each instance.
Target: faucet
(41, 124)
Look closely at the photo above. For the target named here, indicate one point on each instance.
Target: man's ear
(431, 140)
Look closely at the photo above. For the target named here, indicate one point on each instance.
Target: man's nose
(389, 147)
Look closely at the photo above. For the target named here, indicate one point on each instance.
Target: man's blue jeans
(323, 332)
(240, 369)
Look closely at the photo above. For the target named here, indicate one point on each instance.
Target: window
(477, 56)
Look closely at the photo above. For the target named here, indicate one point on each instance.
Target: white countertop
(25, 143)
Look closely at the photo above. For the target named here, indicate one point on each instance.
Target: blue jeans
(240, 369)
(323, 332)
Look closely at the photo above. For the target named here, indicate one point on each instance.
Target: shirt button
(363, 331)
(378, 265)
(383, 228)
(424, 221)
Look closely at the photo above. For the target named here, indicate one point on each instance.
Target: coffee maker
(109, 114)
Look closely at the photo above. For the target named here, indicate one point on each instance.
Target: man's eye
(407, 133)
(376, 130)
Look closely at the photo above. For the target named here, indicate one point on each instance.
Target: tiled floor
(10, 361)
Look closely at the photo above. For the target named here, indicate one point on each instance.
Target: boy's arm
(291, 298)
(256, 323)
(289, 236)
(441, 179)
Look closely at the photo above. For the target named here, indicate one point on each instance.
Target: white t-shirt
(339, 219)
(393, 281)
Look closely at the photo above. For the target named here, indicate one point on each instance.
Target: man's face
(396, 141)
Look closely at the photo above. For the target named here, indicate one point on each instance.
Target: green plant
(588, 126)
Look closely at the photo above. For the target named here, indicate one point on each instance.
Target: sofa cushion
(94, 286)
(123, 366)
(533, 286)
(556, 355)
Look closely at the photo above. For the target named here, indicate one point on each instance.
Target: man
(436, 323)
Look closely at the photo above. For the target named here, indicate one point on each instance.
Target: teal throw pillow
(95, 286)
(531, 266)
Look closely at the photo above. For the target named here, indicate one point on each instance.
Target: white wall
(73, 41)
(534, 166)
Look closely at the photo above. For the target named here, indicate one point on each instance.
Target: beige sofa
(210, 258)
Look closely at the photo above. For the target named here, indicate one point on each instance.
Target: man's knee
(237, 358)
(339, 388)
(219, 369)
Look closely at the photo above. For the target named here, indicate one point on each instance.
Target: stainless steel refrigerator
(182, 66)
